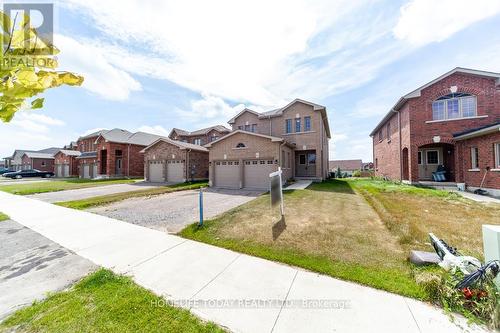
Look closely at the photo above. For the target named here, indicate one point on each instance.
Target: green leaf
(37, 103)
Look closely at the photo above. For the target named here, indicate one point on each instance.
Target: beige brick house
(294, 137)
(167, 160)
(199, 137)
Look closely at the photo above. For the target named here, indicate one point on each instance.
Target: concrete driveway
(84, 193)
(32, 265)
(173, 211)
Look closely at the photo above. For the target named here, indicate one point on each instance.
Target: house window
(240, 128)
(497, 155)
(380, 135)
(254, 128)
(432, 157)
(419, 157)
(43, 163)
(247, 128)
(297, 125)
(240, 145)
(307, 124)
(454, 106)
(302, 159)
(283, 159)
(311, 158)
(213, 138)
(197, 142)
(376, 163)
(474, 157)
(288, 127)
(288, 161)
(388, 131)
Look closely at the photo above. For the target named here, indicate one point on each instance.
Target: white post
(491, 244)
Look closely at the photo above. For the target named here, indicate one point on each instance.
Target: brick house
(294, 137)
(199, 137)
(430, 127)
(113, 153)
(15, 161)
(172, 161)
(346, 166)
(38, 161)
(66, 163)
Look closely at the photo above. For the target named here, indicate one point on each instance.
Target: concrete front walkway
(243, 293)
(478, 198)
(298, 185)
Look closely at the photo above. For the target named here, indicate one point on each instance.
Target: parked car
(28, 173)
(5, 170)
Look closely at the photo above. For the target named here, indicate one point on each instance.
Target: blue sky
(151, 65)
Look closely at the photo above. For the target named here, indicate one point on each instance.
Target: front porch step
(439, 185)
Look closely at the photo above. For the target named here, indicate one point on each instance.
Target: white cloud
(426, 21)
(33, 122)
(101, 76)
(93, 130)
(157, 129)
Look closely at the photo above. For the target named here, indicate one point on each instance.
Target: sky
(154, 65)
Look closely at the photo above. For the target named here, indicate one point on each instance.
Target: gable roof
(39, 155)
(483, 130)
(69, 152)
(180, 144)
(202, 131)
(87, 154)
(417, 92)
(93, 134)
(345, 164)
(279, 111)
(272, 138)
(123, 136)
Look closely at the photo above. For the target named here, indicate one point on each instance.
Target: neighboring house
(66, 163)
(73, 145)
(172, 161)
(368, 166)
(8, 162)
(199, 137)
(346, 166)
(294, 137)
(15, 161)
(447, 123)
(113, 153)
(38, 161)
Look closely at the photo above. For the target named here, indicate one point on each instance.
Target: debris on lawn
(422, 258)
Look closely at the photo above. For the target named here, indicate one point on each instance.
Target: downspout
(187, 164)
(270, 126)
(400, 146)
(128, 161)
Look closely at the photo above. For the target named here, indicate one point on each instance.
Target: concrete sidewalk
(237, 291)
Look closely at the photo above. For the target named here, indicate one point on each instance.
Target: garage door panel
(256, 174)
(227, 174)
(175, 171)
(86, 171)
(65, 170)
(156, 174)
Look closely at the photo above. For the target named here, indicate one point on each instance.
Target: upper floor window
(247, 128)
(307, 124)
(297, 125)
(380, 135)
(213, 138)
(240, 145)
(288, 128)
(240, 128)
(453, 106)
(197, 142)
(388, 131)
(497, 155)
(254, 128)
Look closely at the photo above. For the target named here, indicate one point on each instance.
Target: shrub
(356, 173)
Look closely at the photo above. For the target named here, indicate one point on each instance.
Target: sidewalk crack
(414, 319)
(284, 301)
(156, 255)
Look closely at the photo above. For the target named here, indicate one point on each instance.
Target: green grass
(3, 217)
(105, 302)
(108, 199)
(60, 185)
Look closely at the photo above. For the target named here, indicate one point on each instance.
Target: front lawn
(105, 302)
(331, 228)
(60, 185)
(3, 217)
(110, 198)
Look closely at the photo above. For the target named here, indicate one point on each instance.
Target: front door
(118, 166)
(428, 161)
(305, 163)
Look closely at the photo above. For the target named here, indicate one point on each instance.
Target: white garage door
(59, 170)
(256, 174)
(227, 174)
(86, 171)
(94, 170)
(65, 170)
(156, 172)
(175, 171)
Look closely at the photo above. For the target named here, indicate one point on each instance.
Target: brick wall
(205, 138)
(41, 164)
(132, 158)
(485, 145)
(86, 145)
(61, 158)
(164, 151)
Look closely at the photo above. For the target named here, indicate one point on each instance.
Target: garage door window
(302, 159)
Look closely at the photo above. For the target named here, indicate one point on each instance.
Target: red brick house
(38, 161)
(173, 161)
(113, 153)
(66, 163)
(199, 137)
(437, 126)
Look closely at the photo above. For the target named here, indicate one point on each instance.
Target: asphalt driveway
(84, 193)
(173, 211)
(32, 265)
